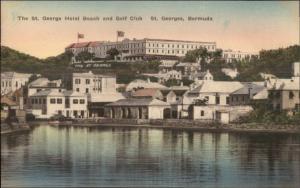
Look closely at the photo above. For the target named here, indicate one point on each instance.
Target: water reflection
(51, 156)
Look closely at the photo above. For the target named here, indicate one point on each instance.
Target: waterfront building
(142, 49)
(11, 81)
(231, 55)
(244, 95)
(215, 92)
(42, 84)
(47, 103)
(284, 94)
(175, 97)
(137, 108)
(100, 90)
(219, 113)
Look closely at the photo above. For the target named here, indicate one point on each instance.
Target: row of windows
(8, 84)
(54, 101)
(87, 81)
(181, 46)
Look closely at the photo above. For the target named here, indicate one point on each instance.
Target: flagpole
(117, 36)
(77, 38)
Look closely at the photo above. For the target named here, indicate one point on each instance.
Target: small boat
(54, 123)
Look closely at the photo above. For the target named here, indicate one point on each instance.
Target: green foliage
(263, 113)
(51, 67)
(172, 82)
(84, 56)
(111, 53)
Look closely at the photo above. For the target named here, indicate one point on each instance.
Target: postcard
(150, 94)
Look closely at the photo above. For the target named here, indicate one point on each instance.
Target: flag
(80, 36)
(120, 33)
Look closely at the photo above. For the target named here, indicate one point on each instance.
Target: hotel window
(86, 90)
(162, 51)
(149, 51)
(16, 84)
(153, 44)
(168, 51)
(32, 101)
(77, 89)
(81, 101)
(162, 45)
(156, 45)
(172, 51)
(52, 101)
(59, 101)
(182, 52)
(168, 45)
(40, 101)
(75, 101)
(182, 46)
(44, 101)
(77, 81)
(172, 45)
(202, 113)
(187, 46)
(87, 81)
(177, 45)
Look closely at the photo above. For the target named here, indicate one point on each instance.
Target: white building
(203, 76)
(100, 89)
(232, 73)
(143, 84)
(142, 49)
(42, 84)
(47, 103)
(215, 92)
(93, 84)
(230, 55)
(12, 81)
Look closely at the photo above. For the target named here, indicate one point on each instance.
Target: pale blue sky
(248, 26)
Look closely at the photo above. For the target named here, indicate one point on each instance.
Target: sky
(246, 26)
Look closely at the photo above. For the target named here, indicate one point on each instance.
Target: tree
(84, 56)
(111, 53)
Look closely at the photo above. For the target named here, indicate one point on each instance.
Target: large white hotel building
(141, 49)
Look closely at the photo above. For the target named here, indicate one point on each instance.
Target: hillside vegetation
(277, 62)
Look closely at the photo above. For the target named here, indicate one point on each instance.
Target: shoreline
(15, 131)
(260, 128)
